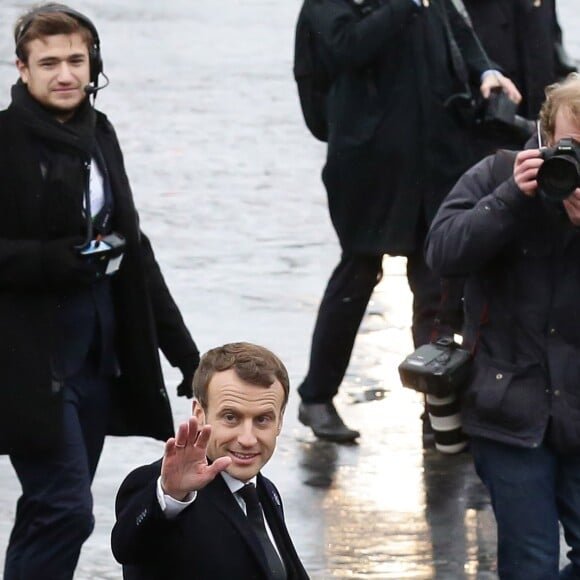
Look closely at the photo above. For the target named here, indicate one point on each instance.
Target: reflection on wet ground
(387, 508)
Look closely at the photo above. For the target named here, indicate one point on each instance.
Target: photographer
(80, 331)
(394, 150)
(510, 226)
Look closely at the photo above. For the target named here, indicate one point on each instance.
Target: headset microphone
(92, 89)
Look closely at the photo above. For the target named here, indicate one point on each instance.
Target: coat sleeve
(475, 222)
(141, 532)
(353, 41)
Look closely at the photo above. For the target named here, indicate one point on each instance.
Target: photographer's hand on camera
(526, 168)
(493, 80)
(63, 265)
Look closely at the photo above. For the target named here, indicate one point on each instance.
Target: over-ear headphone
(95, 60)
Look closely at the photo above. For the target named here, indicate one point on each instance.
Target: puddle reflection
(387, 509)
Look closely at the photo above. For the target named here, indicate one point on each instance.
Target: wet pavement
(227, 181)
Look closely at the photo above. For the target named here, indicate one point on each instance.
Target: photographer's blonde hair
(564, 95)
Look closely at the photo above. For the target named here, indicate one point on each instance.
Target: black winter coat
(147, 317)
(520, 36)
(521, 258)
(394, 151)
(209, 540)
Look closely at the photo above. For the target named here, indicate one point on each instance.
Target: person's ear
(22, 70)
(280, 424)
(198, 413)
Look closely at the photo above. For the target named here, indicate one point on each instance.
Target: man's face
(565, 126)
(57, 72)
(245, 421)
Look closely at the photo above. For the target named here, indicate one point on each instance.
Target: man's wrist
(171, 506)
(488, 72)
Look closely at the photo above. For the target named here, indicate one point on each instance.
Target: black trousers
(54, 515)
(341, 311)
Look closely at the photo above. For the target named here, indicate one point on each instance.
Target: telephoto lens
(559, 175)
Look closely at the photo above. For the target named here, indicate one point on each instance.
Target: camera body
(494, 117)
(498, 108)
(559, 175)
(440, 368)
(106, 253)
(497, 115)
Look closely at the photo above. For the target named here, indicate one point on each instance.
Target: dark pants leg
(54, 514)
(568, 497)
(341, 311)
(339, 316)
(531, 490)
(426, 289)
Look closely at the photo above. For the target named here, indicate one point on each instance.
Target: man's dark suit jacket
(209, 540)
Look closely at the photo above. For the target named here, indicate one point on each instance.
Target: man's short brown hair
(564, 96)
(252, 363)
(46, 20)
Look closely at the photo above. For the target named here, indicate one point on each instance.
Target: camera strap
(449, 318)
(457, 61)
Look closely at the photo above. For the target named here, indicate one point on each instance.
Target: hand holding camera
(559, 175)
(552, 171)
(494, 115)
(526, 167)
(495, 82)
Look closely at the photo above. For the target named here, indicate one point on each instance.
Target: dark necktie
(249, 494)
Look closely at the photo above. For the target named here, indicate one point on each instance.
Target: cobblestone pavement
(227, 181)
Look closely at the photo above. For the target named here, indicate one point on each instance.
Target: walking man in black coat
(394, 150)
(80, 330)
(193, 514)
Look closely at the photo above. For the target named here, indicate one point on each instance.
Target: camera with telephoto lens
(559, 175)
(106, 253)
(440, 368)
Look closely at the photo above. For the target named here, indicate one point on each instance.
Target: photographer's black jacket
(394, 151)
(146, 316)
(521, 257)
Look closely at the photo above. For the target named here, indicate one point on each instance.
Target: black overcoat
(519, 35)
(394, 151)
(147, 317)
(209, 540)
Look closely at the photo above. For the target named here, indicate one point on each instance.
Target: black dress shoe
(326, 423)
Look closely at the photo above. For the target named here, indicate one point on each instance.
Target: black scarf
(62, 149)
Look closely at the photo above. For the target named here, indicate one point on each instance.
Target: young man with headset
(83, 304)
